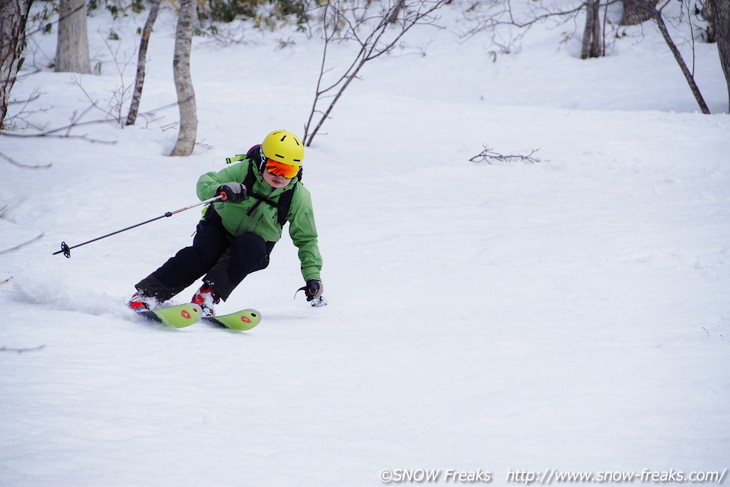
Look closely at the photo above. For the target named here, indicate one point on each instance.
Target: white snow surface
(569, 314)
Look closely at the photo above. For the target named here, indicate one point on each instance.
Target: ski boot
(205, 298)
(140, 302)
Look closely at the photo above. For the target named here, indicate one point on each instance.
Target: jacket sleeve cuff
(310, 273)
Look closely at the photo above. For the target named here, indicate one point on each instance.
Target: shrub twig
(489, 155)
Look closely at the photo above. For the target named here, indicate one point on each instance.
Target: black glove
(313, 289)
(233, 192)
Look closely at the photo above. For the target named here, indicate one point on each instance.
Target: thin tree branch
(24, 166)
(488, 155)
(17, 247)
(368, 31)
(22, 350)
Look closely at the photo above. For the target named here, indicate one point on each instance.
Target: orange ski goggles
(280, 169)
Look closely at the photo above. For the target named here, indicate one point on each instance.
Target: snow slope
(570, 314)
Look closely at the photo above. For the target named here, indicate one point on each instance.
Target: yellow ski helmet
(283, 146)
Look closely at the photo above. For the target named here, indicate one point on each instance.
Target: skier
(237, 233)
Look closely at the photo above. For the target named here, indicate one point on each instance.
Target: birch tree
(72, 48)
(142, 62)
(592, 45)
(13, 17)
(183, 82)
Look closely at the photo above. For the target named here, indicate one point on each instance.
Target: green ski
(240, 320)
(178, 316)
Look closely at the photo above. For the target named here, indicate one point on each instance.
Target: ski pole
(66, 250)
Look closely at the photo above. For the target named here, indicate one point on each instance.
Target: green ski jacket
(260, 217)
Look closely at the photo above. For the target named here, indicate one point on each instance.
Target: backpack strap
(285, 204)
(285, 199)
(250, 179)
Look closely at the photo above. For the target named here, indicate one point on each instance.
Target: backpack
(284, 203)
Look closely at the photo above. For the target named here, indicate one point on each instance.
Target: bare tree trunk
(13, 17)
(142, 62)
(721, 20)
(708, 13)
(592, 41)
(682, 65)
(393, 17)
(183, 82)
(72, 49)
(637, 11)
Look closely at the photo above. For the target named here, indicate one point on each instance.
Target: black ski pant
(224, 260)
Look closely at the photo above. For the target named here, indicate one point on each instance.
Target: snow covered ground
(570, 314)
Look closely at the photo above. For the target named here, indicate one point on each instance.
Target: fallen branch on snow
(7, 251)
(24, 166)
(22, 350)
(488, 155)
